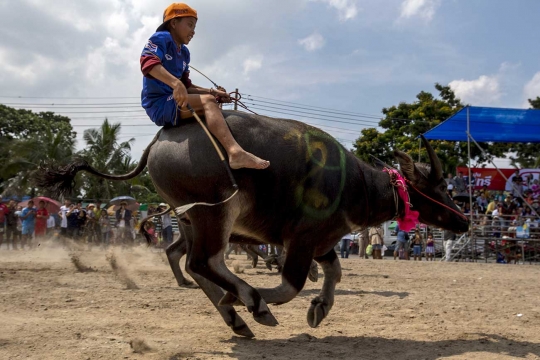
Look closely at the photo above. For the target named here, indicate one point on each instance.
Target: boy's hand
(223, 95)
(180, 94)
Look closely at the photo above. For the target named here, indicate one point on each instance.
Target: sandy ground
(384, 310)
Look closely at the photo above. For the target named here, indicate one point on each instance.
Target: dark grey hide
(314, 192)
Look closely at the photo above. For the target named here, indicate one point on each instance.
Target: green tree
(527, 155)
(402, 124)
(26, 140)
(535, 103)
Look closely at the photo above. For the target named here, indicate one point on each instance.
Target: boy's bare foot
(243, 159)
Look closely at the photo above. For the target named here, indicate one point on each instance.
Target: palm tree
(105, 153)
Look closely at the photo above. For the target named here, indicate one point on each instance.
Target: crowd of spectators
(25, 227)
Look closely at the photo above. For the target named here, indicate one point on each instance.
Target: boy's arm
(180, 93)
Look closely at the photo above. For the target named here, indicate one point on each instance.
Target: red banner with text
(490, 177)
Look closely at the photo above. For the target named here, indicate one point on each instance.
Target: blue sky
(346, 55)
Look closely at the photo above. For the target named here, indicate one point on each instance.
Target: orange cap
(176, 10)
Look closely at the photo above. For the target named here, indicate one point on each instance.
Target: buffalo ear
(406, 165)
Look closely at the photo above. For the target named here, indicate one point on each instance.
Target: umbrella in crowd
(463, 197)
(51, 205)
(131, 203)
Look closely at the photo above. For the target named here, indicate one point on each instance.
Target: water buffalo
(314, 192)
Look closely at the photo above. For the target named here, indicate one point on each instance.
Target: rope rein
(236, 99)
(435, 201)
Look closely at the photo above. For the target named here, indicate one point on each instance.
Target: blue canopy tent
(485, 124)
(489, 125)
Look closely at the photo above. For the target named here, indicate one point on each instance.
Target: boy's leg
(238, 158)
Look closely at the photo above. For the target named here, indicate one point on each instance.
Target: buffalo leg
(174, 252)
(211, 231)
(293, 278)
(214, 292)
(321, 305)
(254, 256)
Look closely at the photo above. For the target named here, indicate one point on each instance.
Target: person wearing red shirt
(41, 220)
(4, 210)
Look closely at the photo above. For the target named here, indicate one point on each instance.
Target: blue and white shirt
(161, 49)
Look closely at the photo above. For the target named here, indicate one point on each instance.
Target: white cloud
(532, 89)
(483, 91)
(313, 42)
(422, 8)
(252, 63)
(347, 9)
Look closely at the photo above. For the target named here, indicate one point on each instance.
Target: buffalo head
(429, 181)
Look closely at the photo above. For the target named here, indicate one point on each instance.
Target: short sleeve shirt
(30, 220)
(174, 59)
(64, 209)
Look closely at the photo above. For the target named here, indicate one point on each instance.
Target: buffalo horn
(436, 169)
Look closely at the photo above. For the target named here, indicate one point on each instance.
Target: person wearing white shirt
(51, 223)
(64, 223)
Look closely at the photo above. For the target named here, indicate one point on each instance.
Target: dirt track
(384, 310)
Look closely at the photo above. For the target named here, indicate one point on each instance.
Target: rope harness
(409, 218)
(436, 202)
(402, 184)
(220, 100)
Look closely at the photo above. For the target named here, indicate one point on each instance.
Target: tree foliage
(26, 140)
(402, 124)
(527, 155)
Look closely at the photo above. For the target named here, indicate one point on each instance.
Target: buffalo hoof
(317, 311)
(243, 330)
(230, 299)
(188, 284)
(313, 274)
(265, 318)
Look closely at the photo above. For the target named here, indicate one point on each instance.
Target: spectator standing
(91, 224)
(4, 211)
(482, 202)
(402, 244)
(12, 219)
(430, 248)
(345, 246)
(450, 184)
(51, 224)
(363, 242)
(123, 223)
(28, 217)
(64, 209)
(417, 242)
(97, 216)
(41, 220)
(376, 240)
(82, 217)
(449, 238)
(459, 183)
(517, 186)
(72, 218)
(105, 228)
(166, 225)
